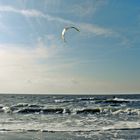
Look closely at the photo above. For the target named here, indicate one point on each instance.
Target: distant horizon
(97, 93)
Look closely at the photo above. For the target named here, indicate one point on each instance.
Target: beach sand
(39, 136)
(125, 134)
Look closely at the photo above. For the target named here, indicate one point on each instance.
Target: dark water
(74, 116)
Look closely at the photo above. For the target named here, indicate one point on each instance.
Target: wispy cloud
(21, 70)
(86, 27)
(97, 30)
(25, 12)
(87, 8)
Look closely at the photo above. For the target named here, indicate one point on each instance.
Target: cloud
(28, 13)
(86, 27)
(21, 69)
(90, 28)
(22, 72)
(31, 13)
(87, 8)
(18, 66)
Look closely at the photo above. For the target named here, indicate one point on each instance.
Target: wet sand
(39, 136)
(123, 134)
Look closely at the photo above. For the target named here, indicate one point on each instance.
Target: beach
(125, 135)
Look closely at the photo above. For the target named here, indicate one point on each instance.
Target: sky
(104, 57)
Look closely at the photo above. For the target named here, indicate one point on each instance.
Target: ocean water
(78, 117)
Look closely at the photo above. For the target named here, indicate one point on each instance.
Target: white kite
(67, 28)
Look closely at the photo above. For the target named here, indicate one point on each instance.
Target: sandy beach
(125, 134)
(40, 136)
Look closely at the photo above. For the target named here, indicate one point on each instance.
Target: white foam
(129, 111)
(123, 125)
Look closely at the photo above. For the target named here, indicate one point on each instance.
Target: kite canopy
(67, 28)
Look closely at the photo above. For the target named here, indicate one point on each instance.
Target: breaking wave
(25, 108)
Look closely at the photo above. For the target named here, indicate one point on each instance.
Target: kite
(67, 28)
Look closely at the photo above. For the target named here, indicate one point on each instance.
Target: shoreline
(125, 134)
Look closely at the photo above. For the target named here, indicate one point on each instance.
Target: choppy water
(89, 117)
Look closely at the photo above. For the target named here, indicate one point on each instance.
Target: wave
(128, 111)
(21, 105)
(74, 100)
(64, 100)
(43, 110)
(83, 111)
(87, 99)
(113, 100)
(25, 108)
(68, 130)
(88, 111)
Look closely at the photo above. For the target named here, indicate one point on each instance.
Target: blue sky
(102, 58)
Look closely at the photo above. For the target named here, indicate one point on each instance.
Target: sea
(69, 117)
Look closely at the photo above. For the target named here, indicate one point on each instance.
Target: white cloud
(22, 72)
(31, 13)
(19, 64)
(25, 12)
(90, 28)
(85, 27)
(87, 8)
